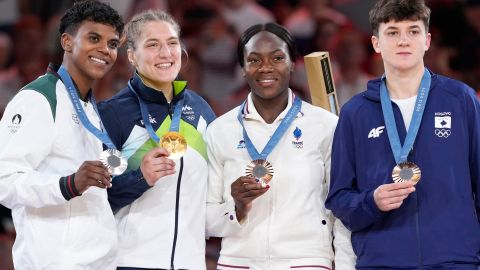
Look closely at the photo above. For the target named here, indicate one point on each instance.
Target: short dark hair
(90, 10)
(398, 10)
(273, 28)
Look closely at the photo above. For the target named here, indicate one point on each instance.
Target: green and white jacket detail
(161, 226)
(42, 140)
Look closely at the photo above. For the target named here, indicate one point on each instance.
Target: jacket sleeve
(344, 256)
(356, 209)
(27, 134)
(221, 218)
(473, 116)
(126, 188)
(130, 185)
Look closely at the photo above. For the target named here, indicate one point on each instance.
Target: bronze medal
(406, 171)
(114, 162)
(175, 144)
(261, 170)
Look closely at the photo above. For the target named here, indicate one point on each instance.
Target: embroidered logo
(241, 144)
(297, 134)
(375, 132)
(188, 112)
(443, 124)
(16, 120)
(75, 118)
(186, 108)
(151, 119)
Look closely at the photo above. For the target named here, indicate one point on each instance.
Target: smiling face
(268, 66)
(90, 52)
(402, 44)
(157, 54)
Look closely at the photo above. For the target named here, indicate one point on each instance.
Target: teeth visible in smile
(266, 81)
(165, 65)
(98, 60)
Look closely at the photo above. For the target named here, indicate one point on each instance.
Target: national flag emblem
(443, 122)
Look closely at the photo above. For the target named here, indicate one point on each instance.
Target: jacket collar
(152, 95)
(53, 70)
(250, 112)
(373, 87)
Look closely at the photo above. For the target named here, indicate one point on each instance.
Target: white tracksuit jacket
(288, 226)
(41, 140)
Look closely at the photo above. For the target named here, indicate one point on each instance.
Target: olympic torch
(320, 81)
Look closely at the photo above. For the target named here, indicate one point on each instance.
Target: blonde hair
(133, 29)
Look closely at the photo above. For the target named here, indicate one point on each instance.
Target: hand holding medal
(114, 162)
(91, 174)
(405, 174)
(173, 141)
(111, 158)
(156, 164)
(404, 170)
(259, 168)
(259, 171)
(390, 196)
(244, 190)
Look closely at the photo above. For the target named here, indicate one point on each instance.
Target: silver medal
(113, 161)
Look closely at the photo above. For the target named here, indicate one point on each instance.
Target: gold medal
(261, 170)
(114, 162)
(406, 171)
(175, 144)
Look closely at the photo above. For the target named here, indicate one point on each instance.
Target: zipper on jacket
(417, 223)
(270, 216)
(170, 111)
(177, 200)
(417, 227)
(173, 103)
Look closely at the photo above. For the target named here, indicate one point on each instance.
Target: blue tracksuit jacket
(437, 226)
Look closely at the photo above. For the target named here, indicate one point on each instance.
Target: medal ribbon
(174, 126)
(281, 129)
(401, 153)
(72, 93)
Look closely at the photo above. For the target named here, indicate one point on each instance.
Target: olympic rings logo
(443, 133)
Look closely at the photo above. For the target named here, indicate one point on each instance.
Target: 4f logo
(375, 132)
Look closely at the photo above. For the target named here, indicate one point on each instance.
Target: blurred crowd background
(29, 40)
